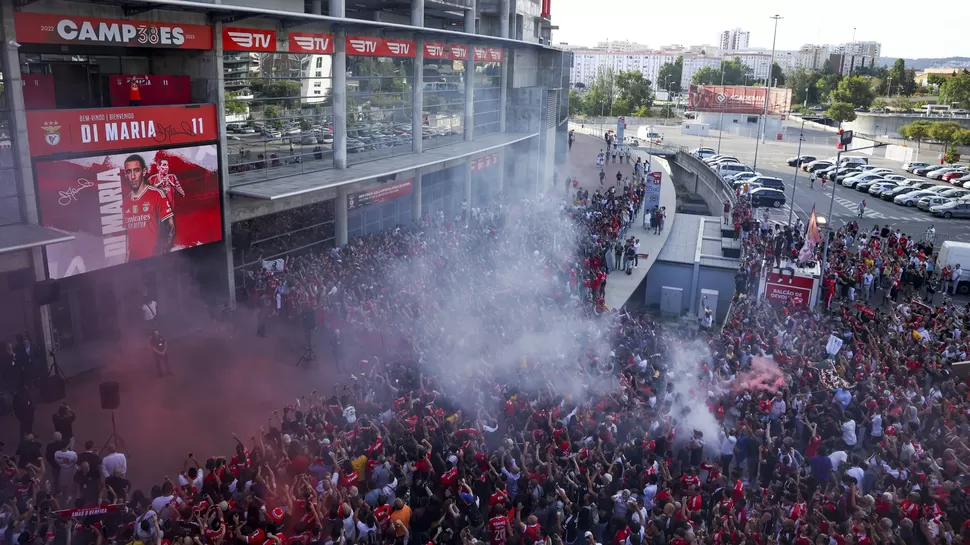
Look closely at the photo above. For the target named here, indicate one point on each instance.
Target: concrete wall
(721, 280)
(107, 11)
(694, 174)
(524, 68)
(742, 122)
(888, 125)
(675, 275)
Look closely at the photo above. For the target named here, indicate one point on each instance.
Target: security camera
(13, 43)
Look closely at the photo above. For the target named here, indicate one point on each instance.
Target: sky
(665, 23)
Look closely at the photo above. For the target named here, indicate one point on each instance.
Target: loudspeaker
(52, 388)
(309, 319)
(110, 395)
(47, 292)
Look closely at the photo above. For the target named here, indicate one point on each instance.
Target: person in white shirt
(728, 442)
(114, 460)
(636, 252)
(955, 277)
(867, 285)
(66, 460)
(838, 457)
(849, 433)
(650, 492)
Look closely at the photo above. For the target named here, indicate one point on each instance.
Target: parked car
(851, 181)
(940, 172)
(910, 167)
(925, 203)
(937, 189)
(740, 177)
(725, 169)
(844, 173)
(799, 161)
(956, 193)
(882, 171)
(864, 185)
(769, 181)
(923, 171)
(697, 152)
(952, 209)
(896, 192)
(878, 188)
(816, 165)
(766, 196)
(910, 199)
(898, 178)
(953, 176)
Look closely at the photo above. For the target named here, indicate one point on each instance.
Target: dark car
(799, 161)
(766, 196)
(923, 171)
(897, 191)
(768, 181)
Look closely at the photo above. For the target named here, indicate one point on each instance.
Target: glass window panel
(443, 115)
(379, 107)
(279, 114)
(488, 89)
(10, 210)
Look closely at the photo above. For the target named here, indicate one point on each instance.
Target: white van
(953, 253)
(854, 160)
(727, 169)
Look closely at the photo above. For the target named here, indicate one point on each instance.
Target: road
(772, 156)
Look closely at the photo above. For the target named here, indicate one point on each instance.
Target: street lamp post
(720, 123)
(798, 155)
(771, 67)
(825, 250)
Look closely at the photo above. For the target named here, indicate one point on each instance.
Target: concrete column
(500, 171)
(503, 98)
(467, 170)
(18, 125)
(340, 215)
(417, 12)
(316, 7)
(505, 7)
(470, 18)
(340, 100)
(217, 94)
(470, 94)
(417, 98)
(416, 196)
(338, 8)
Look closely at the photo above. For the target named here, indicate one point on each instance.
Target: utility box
(671, 300)
(709, 300)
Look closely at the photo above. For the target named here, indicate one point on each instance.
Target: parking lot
(772, 157)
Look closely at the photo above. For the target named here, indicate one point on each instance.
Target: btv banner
(129, 206)
(53, 132)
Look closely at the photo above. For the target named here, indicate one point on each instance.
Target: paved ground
(771, 161)
(581, 165)
(226, 380)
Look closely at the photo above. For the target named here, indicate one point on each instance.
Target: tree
(901, 104)
(804, 85)
(841, 112)
(735, 73)
(575, 103)
(879, 104)
(826, 85)
(706, 76)
(599, 98)
(946, 131)
(854, 90)
(897, 79)
(235, 106)
(917, 130)
(936, 79)
(632, 92)
(672, 73)
(271, 115)
(777, 75)
(956, 89)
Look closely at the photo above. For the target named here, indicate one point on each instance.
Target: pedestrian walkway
(582, 166)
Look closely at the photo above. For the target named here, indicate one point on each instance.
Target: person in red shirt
(149, 220)
(167, 182)
(498, 527)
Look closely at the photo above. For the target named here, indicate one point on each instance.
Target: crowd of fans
(527, 412)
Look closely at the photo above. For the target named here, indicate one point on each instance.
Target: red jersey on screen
(144, 212)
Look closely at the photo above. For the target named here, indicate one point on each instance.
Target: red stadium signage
(435, 50)
(495, 54)
(43, 28)
(369, 46)
(381, 194)
(458, 52)
(308, 42)
(481, 53)
(248, 39)
(738, 99)
(128, 206)
(53, 132)
(482, 163)
(789, 290)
